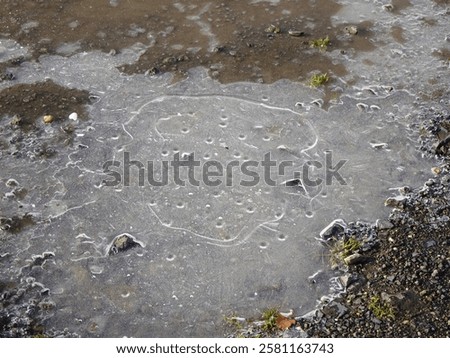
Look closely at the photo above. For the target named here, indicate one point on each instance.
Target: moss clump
(233, 322)
(321, 43)
(381, 309)
(343, 249)
(319, 79)
(270, 316)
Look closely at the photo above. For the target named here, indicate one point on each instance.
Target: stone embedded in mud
(356, 259)
(16, 120)
(273, 29)
(295, 33)
(443, 146)
(351, 30)
(335, 228)
(347, 279)
(398, 201)
(48, 119)
(16, 223)
(73, 116)
(122, 242)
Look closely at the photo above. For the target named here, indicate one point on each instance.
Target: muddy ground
(245, 46)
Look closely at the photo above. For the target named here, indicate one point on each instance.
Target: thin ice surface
(203, 251)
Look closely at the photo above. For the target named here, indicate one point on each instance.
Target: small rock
(396, 202)
(379, 145)
(442, 146)
(348, 279)
(436, 170)
(375, 320)
(404, 190)
(16, 120)
(12, 183)
(48, 119)
(295, 33)
(390, 278)
(273, 29)
(122, 242)
(351, 30)
(73, 116)
(335, 228)
(151, 71)
(169, 60)
(356, 259)
(7, 76)
(384, 225)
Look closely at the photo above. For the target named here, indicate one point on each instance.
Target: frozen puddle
(199, 251)
(228, 137)
(120, 255)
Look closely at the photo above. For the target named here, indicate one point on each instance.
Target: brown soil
(30, 102)
(230, 38)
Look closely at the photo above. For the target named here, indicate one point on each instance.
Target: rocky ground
(395, 274)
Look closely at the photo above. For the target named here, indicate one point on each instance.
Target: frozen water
(204, 250)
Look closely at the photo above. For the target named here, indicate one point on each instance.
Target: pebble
(436, 170)
(351, 30)
(16, 120)
(12, 183)
(335, 228)
(395, 202)
(273, 29)
(295, 33)
(122, 242)
(73, 116)
(442, 146)
(384, 225)
(48, 119)
(355, 259)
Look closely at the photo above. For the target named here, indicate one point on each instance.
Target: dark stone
(122, 242)
(443, 146)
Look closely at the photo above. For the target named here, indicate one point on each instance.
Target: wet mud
(236, 40)
(24, 104)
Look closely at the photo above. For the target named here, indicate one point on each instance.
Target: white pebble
(73, 116)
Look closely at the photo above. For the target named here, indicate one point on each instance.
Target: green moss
(270, 316)
(343, 249)
(321, 44)
(39, 335)
(233, 322)
(380, 308)
(319, 79)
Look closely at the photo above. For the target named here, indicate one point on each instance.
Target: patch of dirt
(233, 39)
(26, 103)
